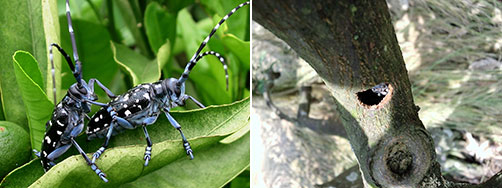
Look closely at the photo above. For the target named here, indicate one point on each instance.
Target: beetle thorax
(172, 93)
(76, 96)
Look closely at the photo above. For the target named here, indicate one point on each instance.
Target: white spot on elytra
(50, 123)
(96, 119)
(100, 116)
(47, 139)
(146, 96)
(60, 105)
(127, 113)
(44, 153)
(59, 123)
(137, 100)
(125, 105)
(59, 132)
(126, 97)
(106, 124)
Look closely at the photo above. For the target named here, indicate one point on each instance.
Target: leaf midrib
(226, 120)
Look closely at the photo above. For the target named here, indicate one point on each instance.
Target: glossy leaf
(204, 72)
(209, 169)
(177, 5)
(23, 176)
(140, 68)
(239, 22)
(94, 49)
(160, 26)
(240, 48)
(1, 108)
(38, 106)
(27, 25)
(128, 10)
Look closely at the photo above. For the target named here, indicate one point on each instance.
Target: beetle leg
(176, 125)
(148, 149)
(91, 164)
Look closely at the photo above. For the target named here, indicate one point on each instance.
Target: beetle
(381, 89)
(67, 120)
(141, 105)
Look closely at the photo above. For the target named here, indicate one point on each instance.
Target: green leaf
(140, 68)
(123, 161)
(31, 26)
(1, 108)
(94, 49)
(38, 106)
(237, 135)
(240, 48)
(127, 10)
(160, 26)
(164, 55)
(208, 69)
(209, 169)
(177, 5)
(241, 181)
(239, 21)
(23, 176)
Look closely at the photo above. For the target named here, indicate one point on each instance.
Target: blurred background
(453, 53)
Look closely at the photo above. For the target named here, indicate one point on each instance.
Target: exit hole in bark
(376, 96)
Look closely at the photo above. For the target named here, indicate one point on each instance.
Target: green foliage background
(124, 43)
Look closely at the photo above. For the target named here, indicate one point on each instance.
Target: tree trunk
(353, 48)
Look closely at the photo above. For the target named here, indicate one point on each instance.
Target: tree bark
(353, 47)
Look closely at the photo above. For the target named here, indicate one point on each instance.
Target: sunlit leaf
(160, 26)
(38, 106)
(209, 169)
(30, 26)
(140, 68)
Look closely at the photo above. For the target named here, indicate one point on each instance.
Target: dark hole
(368, 97)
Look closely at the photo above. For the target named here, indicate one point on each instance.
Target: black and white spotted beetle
(142, 104)
(67, 121)
(381, 89)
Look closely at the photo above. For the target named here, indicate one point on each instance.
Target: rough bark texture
(353, 47)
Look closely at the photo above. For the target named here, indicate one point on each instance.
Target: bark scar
(375, 97)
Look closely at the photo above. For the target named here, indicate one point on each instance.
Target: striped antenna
(78, 65)
(196, 56)
(68, 60)
(222, 60)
